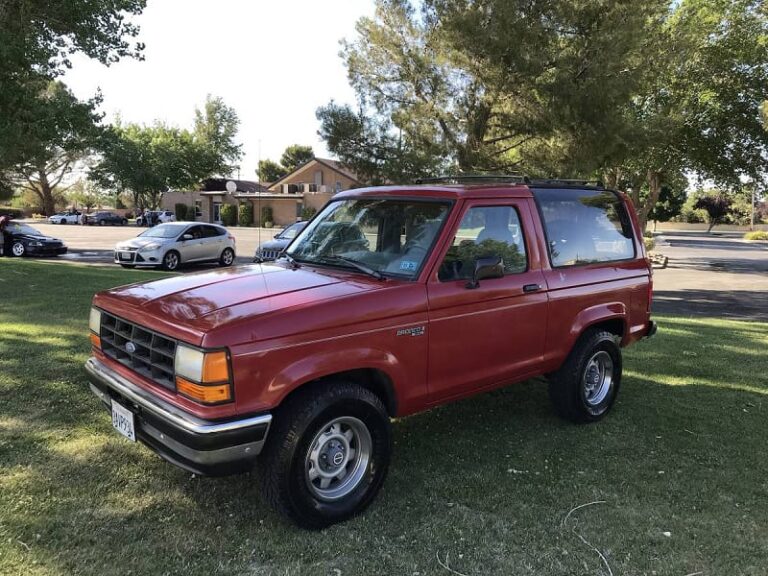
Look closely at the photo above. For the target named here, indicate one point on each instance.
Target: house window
(338, 186)
(198, 208)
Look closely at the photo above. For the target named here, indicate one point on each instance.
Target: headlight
(149, 247)
(94, 323)
(203, 376)
(35, 243)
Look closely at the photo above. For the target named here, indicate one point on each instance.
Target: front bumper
(46, 250)
(213, 448)
(138, 257)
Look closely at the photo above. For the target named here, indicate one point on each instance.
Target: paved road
(721, 276)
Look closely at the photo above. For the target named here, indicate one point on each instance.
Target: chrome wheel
(598, 378)
(338, 458)
(18, 249)
(227, 257)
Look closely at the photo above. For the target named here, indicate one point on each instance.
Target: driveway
(712, 275)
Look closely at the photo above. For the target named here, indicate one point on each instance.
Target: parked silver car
(174, 243)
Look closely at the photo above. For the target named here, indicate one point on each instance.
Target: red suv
(391, 301)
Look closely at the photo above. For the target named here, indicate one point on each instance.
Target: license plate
(122, 421)
(126, 256)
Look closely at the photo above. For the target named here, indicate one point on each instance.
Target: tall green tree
(215, 132)
(270, 171)
(65, 134)
(38, 38)
(295, 156)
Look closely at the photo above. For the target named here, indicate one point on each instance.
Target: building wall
(170, 199)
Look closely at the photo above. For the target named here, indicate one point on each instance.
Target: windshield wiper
(359, 265)
(291, 260)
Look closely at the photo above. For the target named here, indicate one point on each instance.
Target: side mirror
(487, 267)
(277, 235)
(187, 237)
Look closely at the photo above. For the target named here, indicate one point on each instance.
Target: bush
(307, 212)
(267, 216)
(229, 214)
(650, 244)
(756, 235)
(12, 212)
(245, 214)
(182, 212)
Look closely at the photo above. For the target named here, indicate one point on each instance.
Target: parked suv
(391, 301)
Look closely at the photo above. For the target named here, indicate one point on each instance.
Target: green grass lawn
(677, 475)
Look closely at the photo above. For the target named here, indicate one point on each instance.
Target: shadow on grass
(488, 481)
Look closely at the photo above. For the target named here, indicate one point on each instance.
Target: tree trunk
(654, 189)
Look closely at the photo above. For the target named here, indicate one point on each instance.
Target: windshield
(162, 231)
(292, 231)
(16, 228)
(392, 237)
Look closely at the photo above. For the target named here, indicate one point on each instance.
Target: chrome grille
(145, 352)
(269, 254)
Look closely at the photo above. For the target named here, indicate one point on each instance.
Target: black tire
(102, 222)
(63, 221)
(124, 222)
(227, 257)
(299, 424)
(579, 390)
(171, 261)
(18, 249)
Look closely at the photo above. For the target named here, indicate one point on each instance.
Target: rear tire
(327, 454)
(227, 257)
(585, 387)
(171, 261)
(102, 222)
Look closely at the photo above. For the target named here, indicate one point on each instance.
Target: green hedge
(229, 214)
(245, 214)
(756, 235)
(307, 212)
(267, 215)
(182, 212)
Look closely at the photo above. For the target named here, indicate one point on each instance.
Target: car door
(192, 249)
(213, 242)
(493, 333)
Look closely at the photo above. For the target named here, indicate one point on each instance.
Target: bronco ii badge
(417, 331)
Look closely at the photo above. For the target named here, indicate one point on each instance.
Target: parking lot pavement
(95, 244)
(712, 275)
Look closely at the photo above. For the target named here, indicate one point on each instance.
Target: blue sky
(275, 62)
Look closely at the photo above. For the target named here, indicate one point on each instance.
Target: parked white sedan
(175, 243)
(65, 218)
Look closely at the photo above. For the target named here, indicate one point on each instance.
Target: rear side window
(212, 232)
(585, 226)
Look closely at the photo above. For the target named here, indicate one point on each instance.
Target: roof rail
(515, 178)
(567, 182)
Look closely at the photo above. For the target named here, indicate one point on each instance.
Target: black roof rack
(514, 178)
(566, 182)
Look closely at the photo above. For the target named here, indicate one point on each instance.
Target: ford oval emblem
(130, 347)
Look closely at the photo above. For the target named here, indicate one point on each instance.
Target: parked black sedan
(273, 248)
(23, 240)
(104, 218)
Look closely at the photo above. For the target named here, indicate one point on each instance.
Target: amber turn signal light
(215, 367)
(204, 394)
(95, 341)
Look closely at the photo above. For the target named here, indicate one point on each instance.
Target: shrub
(229, 214)
(648, 234)
(650, 244)
(245, 214)
(182, 212)
(12, 212)
(267, 216)
(307, 212)
(756, 235)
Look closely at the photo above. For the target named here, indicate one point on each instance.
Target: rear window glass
(585, 226)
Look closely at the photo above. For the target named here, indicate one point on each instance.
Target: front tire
(102, 222)
(327, 454)
(227, 257)
(18, 249)
(585, 387)
(171, 261)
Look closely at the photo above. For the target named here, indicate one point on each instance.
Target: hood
(36, 237)
(140, 242)
(274, 245)
(188, 306)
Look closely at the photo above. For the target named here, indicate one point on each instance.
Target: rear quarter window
(585, 226)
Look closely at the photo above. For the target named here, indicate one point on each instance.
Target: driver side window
(485, 231)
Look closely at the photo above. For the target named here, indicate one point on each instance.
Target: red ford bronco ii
(392, 300)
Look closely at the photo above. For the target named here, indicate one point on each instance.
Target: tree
(270, 171)
(717, 206)
(633, 92)
(38, 37)
(86, 194)
(65, 132)
(295, 156)
(214, 132)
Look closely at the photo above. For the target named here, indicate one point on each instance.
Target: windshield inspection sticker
(407, 265)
